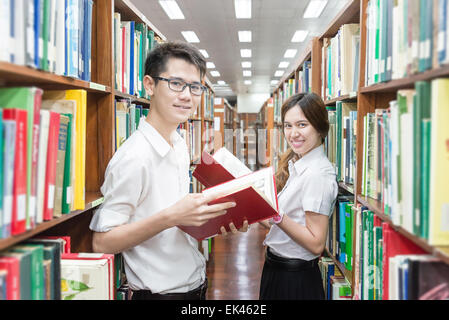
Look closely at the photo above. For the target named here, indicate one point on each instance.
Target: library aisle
(235, 265)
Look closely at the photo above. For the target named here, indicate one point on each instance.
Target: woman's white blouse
(312, 186)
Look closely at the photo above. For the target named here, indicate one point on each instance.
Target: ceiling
(273, 25)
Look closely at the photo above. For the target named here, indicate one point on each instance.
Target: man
(146, 187)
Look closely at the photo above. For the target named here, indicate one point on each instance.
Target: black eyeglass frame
(186, 84)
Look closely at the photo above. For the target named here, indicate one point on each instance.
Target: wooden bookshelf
(100, 120)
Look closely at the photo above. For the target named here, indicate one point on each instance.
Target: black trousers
(290, 279)
(196, 294)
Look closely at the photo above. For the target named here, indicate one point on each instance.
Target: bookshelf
(100, 117)
(368, 99)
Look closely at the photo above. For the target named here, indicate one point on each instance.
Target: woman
(307, 191)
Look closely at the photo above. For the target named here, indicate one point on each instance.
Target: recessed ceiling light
(245, 36)
(221, 82)
(283, 64)
(204, 53)
(242, 9)
(290, 53)
(172, 9)
(190, 36)
(210, 65)
(247, 73)
(274, 82)
(315, 8)
(215, 73)
(248, 82)
(300, 36)
(279, 73)
(246, 64)
(245, 53)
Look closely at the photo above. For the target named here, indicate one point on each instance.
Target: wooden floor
(235, 265)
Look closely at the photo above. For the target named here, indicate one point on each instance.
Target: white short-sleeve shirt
(145, 176)
(311, 186)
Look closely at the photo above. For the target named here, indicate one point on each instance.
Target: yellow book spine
(80, 96)
(439, 175)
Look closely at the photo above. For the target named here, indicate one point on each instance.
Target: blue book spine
(330, 273)
(66, 42)
(81, 37)
(88, 38)
(72, 38)
(342, 235)
(442, 44)
(12, 32)
(37, 27)
(131, 59)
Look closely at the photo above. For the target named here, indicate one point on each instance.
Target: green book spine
(417, 118)
(348, 229)
(339, 138)
(378, 264)
(45, 33)
(67, 188)
(425, 186)
(371, 265)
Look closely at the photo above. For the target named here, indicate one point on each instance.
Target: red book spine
(18, 222)
(11, 264)
(52, 154)
(35, 155)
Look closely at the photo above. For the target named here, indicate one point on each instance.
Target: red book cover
(394, 244)
(35, 154)
(66, 239)
(210, 173)
(52, 154)
(250, 204)
(11, 264)
(97, 256)
(18, 223)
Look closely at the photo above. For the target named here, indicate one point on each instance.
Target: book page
(261, 180)
(231, 163)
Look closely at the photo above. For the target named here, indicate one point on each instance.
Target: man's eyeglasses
(179, 85)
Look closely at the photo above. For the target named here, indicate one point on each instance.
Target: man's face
(172, 106)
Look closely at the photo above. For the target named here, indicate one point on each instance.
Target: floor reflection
(235, 265)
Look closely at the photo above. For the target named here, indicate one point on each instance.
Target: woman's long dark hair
(315, 112)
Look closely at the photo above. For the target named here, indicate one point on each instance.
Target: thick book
(87, 276)
(254, 194)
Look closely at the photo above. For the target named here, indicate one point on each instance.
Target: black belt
(286, 264)
(196, 294)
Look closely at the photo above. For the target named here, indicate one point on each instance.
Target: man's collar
(161, 146)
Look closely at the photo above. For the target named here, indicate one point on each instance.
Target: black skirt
(290, 279)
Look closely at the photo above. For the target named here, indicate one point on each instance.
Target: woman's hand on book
(233, 229)
(193, 210)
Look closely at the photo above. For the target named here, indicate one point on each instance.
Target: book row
(128, 116)
(336, 286)
(50, 35)
(386, 265)
(43, 143)
(44, 269)
(405, 37)
(132, 43)
(340, 62)
(405, 163)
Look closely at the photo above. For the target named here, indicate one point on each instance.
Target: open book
(228, 179)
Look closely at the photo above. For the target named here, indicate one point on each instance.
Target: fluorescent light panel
(246, 64)
(314, 9)
(221, 82)
(210, 65)
(204, 53)
(215, 73)
(300, 36)
(190, 36)
(283, 64)
(245, 53)
(247, 73)
(172, 9)
(290, 53)
(248, 82)
(245, 36)
(274, 82)
(242, 9)
(279, 73)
